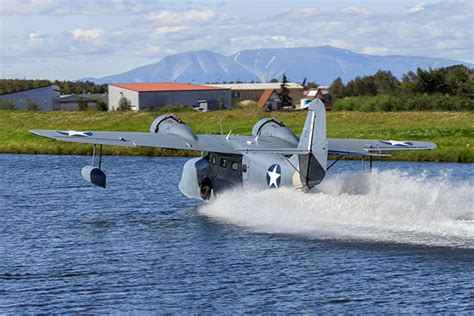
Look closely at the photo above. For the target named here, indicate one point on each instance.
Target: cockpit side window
(223, 163)
(234, 166)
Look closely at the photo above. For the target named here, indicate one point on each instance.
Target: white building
(157, 95)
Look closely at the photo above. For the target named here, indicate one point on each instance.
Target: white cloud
(193, 16)
(165, 30)
(82, 7)
(87, 35)
(33, 35)
(373, 50)
(417, 8)
(303, 13)
(356, 10)
(442, 29)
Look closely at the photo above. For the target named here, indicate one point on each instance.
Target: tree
(125, 104)
(386, 83)
(337, 88)
(7, 104)
(284, 93)
(310, 85)
(82, 105)
(101, 105)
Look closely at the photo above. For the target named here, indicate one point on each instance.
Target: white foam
(387, 206)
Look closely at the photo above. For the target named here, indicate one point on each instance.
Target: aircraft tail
(313, 139)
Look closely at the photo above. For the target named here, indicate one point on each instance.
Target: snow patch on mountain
(320, 64)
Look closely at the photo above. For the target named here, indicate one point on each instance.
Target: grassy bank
(452, 131)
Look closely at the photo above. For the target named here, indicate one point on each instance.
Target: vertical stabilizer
(313, 138)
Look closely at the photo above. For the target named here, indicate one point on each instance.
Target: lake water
(399, 239)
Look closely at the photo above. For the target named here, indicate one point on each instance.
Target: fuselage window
(244, 168)
(235, 166)
(223, 162)
(213, 160)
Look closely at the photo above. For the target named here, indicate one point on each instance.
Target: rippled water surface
(400, 239)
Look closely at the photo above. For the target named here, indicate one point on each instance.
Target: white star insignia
(273, 177)
(397, 143)
(75, 133)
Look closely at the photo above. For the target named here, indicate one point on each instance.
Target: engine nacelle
(272, 127)
(170, 124)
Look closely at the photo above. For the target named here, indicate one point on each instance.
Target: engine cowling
(170, 124)
(272, 127)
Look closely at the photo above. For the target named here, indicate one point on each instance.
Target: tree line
(67, 87)
(455, 80)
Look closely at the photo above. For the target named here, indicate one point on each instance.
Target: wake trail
(382, 206)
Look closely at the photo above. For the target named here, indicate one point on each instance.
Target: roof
(164, 86)
(256, 86)
(20, 89)
(264, 97)
(74, 98)
(313, 92)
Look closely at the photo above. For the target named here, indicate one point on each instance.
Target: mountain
(193, 67)
(319, 64)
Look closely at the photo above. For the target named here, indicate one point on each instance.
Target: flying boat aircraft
(272, 157)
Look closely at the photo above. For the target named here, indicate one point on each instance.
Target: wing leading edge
(232, 144)
(217, 143)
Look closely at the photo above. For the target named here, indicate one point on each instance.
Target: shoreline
(453, 132)
(330, 157)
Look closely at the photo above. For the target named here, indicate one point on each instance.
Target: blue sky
(66, 39)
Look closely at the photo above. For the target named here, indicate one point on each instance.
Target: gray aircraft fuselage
(252, 170)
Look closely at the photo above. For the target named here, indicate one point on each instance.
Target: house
(321, 93)
(270, 100)
(253, 91)
(156, 95)
(43, 98)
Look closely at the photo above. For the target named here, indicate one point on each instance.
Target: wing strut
(334, 162)
(94, 154)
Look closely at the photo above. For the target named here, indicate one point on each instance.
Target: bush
(125, 104)
(7, 105)
(31, 105)
(175, 108)
(101, 105)
(404, 103)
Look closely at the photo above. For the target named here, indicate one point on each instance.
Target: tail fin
(313, 138)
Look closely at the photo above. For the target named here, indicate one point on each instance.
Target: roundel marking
(274, 176)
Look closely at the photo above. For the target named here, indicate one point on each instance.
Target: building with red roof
(159, 94)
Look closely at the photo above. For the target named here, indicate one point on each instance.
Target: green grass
(452, 131)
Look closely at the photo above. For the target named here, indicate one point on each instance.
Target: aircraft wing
(215, 143)
(231, 144)
(371, 147)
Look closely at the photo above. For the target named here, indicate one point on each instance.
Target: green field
(452, 131)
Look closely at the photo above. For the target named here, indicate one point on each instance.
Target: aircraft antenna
(220, 125)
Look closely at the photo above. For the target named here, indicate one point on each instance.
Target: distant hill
(319, 64)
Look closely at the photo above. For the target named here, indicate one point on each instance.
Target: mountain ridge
(321, 64)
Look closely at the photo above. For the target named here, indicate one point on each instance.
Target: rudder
(313, 138)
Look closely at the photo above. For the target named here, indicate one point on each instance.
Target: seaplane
(271, 158)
